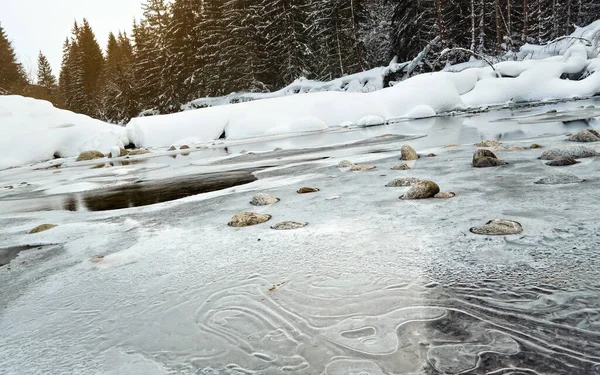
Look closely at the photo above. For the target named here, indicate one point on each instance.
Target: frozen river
(142, 275)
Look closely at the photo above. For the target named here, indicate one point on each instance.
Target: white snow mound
(34, 130)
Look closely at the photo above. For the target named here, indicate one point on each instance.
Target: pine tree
(12, 74)
(45, 78)
(150, 53)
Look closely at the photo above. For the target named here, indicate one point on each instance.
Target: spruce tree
(45, 78)
(12, 74)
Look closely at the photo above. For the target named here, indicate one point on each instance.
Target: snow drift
(33, 130)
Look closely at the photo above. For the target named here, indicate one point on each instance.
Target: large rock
(262, 199)
(422, 190)
(586, 135)
(559, 179)
(42, 228)
(90, 155)
(403, 182)
(488, 162)
(562, 161)
(289, 225)
(575, 152)
(408, 153)
(482, 153)
(498, 227)
(246, 219)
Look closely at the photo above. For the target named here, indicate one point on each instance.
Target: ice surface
(373, 284)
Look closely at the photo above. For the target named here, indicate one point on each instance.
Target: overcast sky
(34, 25)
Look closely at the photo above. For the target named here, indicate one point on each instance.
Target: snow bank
(33, 130)
(566, 68)
(297, 113)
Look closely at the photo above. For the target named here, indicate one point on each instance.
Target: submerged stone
(262, 199)
(345, 164)
(246, 219)
(362, 168)
(445, 195)
(562, 161)
(277, 149)
(90, 155)
(498, 227)
(289, 225)
(422, 190)
(172, 148)
(408, 153)
(184, 147)
(586, 135)
(307, 190)
(42, 228)
(488, 143)
(401, 167)
(559, 179)
(403, 182)
(141, 151)
(575, 152)
(535, 146)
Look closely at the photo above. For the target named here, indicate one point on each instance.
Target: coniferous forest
(186, 49)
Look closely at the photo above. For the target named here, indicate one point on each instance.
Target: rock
(184, 147)
(9, 187)
(277, 149)
(172, 148)
(401, 167)
(403, 182)
(488, 162)
(90, 155)
(42, 228)
(453, 145)
(243, 152)
(559, 179)
(345, 164)
(262, 199)
(307, 190)
(586, 135)
(562, 161)
(362, 168)
(422, 190)
(482, 153)
(575, 152)
(535, 146)
(498, 228)
(246, 219)
(432, 155)
(510, 148)
(488, 144)
(289, 225)
(140, 151)
(445, 195)
(408, 153)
